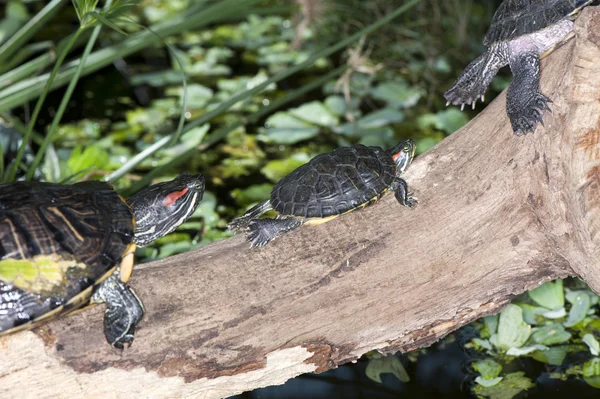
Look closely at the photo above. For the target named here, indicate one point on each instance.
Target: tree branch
(498, 215)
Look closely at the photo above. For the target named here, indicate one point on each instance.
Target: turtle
(330, 185)
(521, 32)
(63, 247)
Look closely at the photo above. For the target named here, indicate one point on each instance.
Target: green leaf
(397, 94)
(512, 330)
(198, 95)
(388, 364)
(252, 194)
(593, 344)
(491, 323)
(550, 335)
(336, 105)
(532, 314)
(488, 368)
(511, 385)
(450, 120)
(91, 157)
(381, 118)
(315, 112)
(488, 382)
(579, 309)
(277, 169)
(524, 350)
(549, 295)
(553, 356)
(591, 368)
(283, 128)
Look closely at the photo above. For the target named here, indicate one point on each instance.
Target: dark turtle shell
(335, 183)
(57, 242)
(515, 18)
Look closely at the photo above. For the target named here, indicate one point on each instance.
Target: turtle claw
(525, 117)
(262, 231)
(447, 103)
(462, 106)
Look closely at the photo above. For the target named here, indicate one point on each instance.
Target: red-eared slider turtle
(62, 246)
(329, 185)
(521, 31)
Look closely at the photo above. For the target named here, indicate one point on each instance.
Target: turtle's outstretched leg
(402, 195)
(242, 222)
(525, 104)
(261, 231)
(124, 310)
(474, 80)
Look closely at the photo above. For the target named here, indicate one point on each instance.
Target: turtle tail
(242, 222)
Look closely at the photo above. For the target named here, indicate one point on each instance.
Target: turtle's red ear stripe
(174, 196)
(395, 156)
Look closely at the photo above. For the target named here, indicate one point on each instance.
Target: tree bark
(497, 215)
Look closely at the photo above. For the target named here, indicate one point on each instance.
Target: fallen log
(498, 215)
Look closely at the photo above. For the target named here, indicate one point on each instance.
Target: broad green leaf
(198, 95)
(488, 368)
(388, 364)
(524, 350)
(91, 157)
(336, 105)
(511, 385)
(555, 314)
(532, 314)
(207, 210)
(488, 382)
(397, 94)
(315, 112)
(591, 368)
(512, 331)
(593, 344)
(579, 309)
(553, 356)
(549, 295)
(491, 323)
(377, 119)
(482, 343)
(252, 194)
(283, 128)
(277, 169)
(550, 335)
(450, 120)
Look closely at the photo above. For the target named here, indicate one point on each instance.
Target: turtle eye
(173, 197)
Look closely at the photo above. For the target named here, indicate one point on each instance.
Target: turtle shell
(515, 18)
(56, 243)
(335, 182)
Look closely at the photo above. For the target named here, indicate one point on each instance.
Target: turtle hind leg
(525, 104)
(261, 231)
(474, 80)
(124, 310)
(402, 194)
(242, 222)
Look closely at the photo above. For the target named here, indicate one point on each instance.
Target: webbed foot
(124, 310)
(525, 115)
(402, 194)
(262, 231)
(525, 104)
(474, 80)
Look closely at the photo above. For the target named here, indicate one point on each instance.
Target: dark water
(440, 373)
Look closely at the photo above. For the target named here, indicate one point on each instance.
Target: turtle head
(403, 154)
(162, 207)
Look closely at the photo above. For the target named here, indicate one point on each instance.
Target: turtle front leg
(261, 231)
(124, 310)
(402, 194)
(242, 222)
(474, 80)
(525, 104)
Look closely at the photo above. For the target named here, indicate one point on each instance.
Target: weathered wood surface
(498, 215)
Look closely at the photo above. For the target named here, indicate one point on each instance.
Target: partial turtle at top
(521, 32)
(64, 246)
(327, 186)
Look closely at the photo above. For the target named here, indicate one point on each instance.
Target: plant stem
(38, 106)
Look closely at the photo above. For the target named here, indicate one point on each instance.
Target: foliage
(539, 325)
